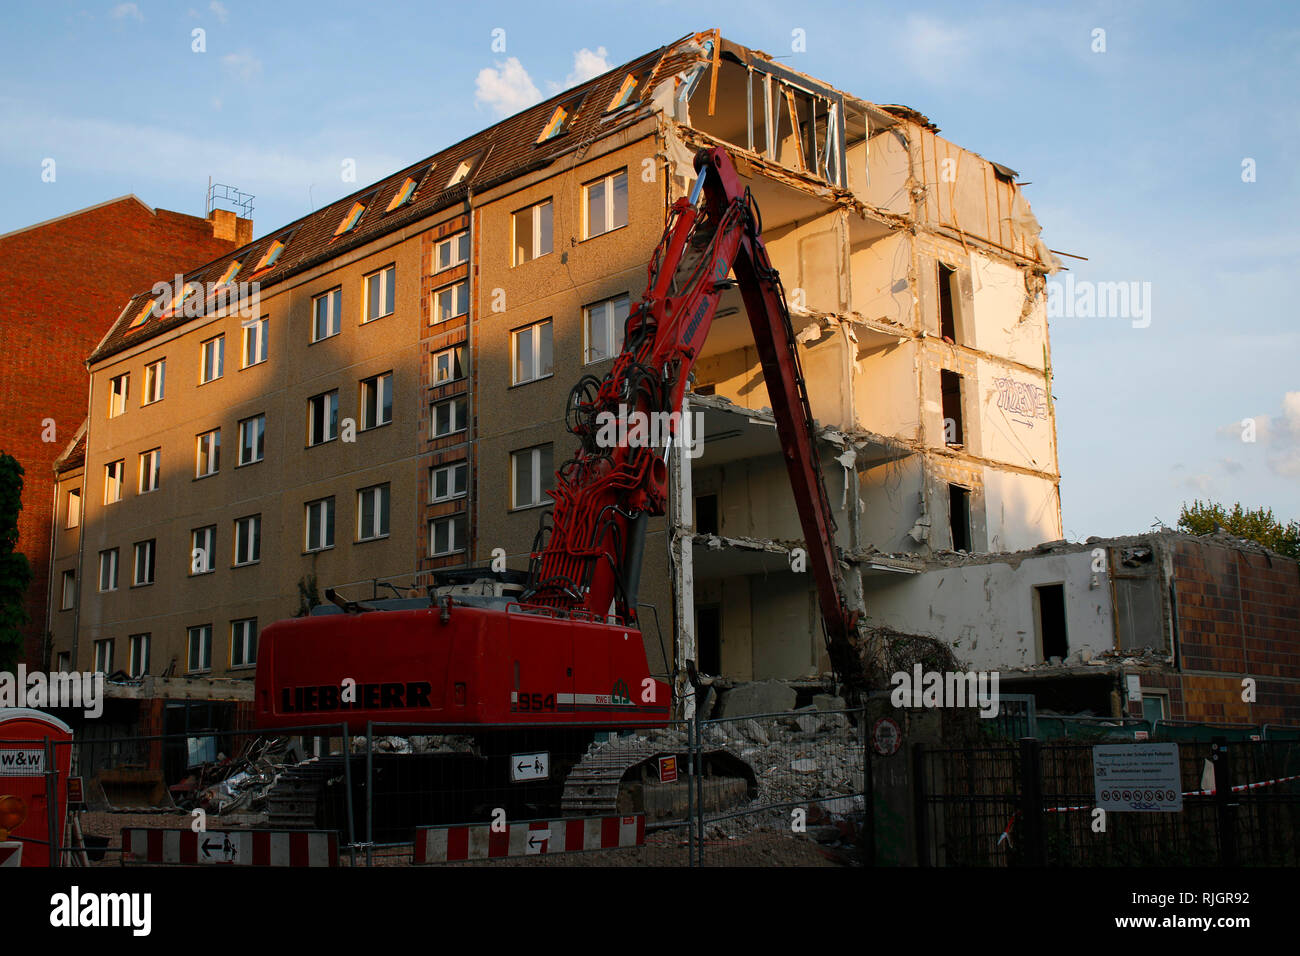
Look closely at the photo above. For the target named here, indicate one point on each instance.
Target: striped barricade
(439, 844)
(160, 847)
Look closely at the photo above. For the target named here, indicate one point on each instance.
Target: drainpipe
(471, 496)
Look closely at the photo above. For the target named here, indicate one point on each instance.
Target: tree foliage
(1256, 525)
(15, 570)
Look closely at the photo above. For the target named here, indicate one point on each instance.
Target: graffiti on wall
(1024, 401)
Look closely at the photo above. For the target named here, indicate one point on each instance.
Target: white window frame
(451, 358)
(119, 392)
(108, 562)
(535, 360)
(114, 479)
(138, 649)
(613, 328)
(534, 212)
(538, 477)
(203, 540)
(149, 548)
(378, 384)
(457, 248)
(435, 310)
(104, 656)
(450, 471)
(243, 635)
(460, 402)
(72, 514)
(204, 663)
(255, 341)
(248, 538)
(333, 300)
(68, 597)
(151, 468)
(331, 422)
(212, 359)
(380, 517)
(211, 458)
(243, 431)
(155, 382)
(451, 522)
(325, 524)
(609, 225)
(387, 293)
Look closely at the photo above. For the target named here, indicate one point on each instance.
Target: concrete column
(681, 520)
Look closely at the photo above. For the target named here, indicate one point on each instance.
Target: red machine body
(570, 648)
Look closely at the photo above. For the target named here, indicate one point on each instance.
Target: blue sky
(1133, 158)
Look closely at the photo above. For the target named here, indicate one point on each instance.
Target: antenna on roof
(220, 192)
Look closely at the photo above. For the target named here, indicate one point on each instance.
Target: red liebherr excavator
(554, 652)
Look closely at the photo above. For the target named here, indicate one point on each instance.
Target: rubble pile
(419, 744)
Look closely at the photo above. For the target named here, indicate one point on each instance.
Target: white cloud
(588, 65)
(219, 10)
(124, 10)
(1280, 433)
(1202, 483)
(242, 65)
(506, 89)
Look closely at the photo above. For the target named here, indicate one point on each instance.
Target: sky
(1158, 140)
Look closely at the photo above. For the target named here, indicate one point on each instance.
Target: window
(350, 220)
(1049, 608)
(248, 540)
(74, 507)
(451, 251)
(461, 171)
(65, 662)
(108, 570)
(272, 254)
(450, 302)
(203, 549)
(558, 123)
(447, 535)
(379, 288)
(604, 205)
(143, 315)
(706, 514)
(448, 481)
(117, 390)
(950, 386)
(243, 642)
(139, 648)
(213, 359)
(449, 365)
(403, 195)
(320, 524)
(530, 348)
(114, 472)
(376, 400)
(69, 590)
(372, 513)
(947, 316)
(200, 649)
(959, 517)
(228, 276)
(621, 98)
(155, 374)
(255, 341)
(252, 439)
(323, 418)
(532, 231)
(144, 562)
(150, 470)
(603, 325)
(450, 417)
(530, 471)
(208, 453)
(326, 309)
(104, 656)
(1155, 707)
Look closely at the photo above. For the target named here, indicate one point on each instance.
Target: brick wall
(1238, 616)
(65, 283)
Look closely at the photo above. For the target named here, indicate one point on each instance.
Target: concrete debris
(426, 744)
(758, 697)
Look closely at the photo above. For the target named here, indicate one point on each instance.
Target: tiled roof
(499, 153)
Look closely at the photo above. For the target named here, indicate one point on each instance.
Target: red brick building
(50, 322)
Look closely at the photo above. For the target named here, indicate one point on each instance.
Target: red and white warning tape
(526, 838)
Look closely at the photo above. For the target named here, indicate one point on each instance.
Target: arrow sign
(524, 767)
(218, 848)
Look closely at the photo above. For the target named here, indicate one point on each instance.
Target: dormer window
(461, 172)
(625, 94)
(228, 276)
(560, 120)
(351, 219)
(144, 314)
(272, 254)
(403, 195)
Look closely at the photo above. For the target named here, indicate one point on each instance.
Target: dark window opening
(1051, 620)
(705, 389)
(947, 317)
(950, 387)
(708, 639)
(706, 514)
(959, 516)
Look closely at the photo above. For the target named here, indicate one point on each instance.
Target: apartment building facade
(393, 403)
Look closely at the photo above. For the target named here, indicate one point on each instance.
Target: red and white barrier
(230, 847)
(527, 838)
(11, 853)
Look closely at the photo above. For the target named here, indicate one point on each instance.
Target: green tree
(1258, 525)
(15, 570)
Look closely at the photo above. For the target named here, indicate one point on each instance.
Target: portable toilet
(24, 803)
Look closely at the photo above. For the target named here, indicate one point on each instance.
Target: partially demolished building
(444, 312)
